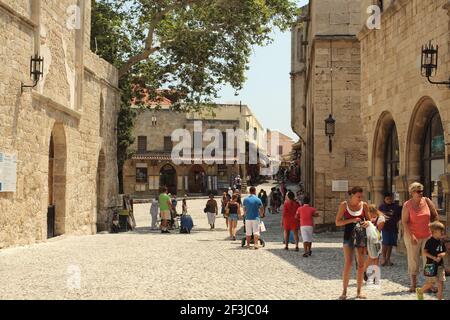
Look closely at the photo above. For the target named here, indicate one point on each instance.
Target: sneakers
(419, 293)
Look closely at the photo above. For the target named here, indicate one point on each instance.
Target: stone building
(326, 80)
(151, 165)
(58, 138)
(406, 119)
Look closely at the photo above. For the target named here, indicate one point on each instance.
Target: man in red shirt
(306, 215)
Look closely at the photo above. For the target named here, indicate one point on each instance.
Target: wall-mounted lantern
(330, 130)
(36, 71)
(429, 63)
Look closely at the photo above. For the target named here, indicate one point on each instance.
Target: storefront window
(433, 161)
(391, 160)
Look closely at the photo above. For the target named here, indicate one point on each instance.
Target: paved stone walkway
(203, 265)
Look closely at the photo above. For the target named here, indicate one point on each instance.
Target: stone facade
(326, 80)
(62, 131)
(397, 101)
(151, 165)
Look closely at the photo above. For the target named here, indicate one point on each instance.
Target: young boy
(435, 252)
(306, 215)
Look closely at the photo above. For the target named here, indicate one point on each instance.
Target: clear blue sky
(268, 87)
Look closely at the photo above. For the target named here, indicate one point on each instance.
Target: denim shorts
(233, 217)
(349, 243)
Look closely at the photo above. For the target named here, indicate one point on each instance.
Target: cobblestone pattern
(203, 265)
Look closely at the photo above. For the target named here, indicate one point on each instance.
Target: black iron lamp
(330, 130)
(429, 63)
(36, 71)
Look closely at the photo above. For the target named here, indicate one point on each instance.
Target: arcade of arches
(405, 154)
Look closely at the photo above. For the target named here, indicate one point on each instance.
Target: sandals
(286, 248)
(343, 297)
(297, 249)
(305, 255)
(361, 297)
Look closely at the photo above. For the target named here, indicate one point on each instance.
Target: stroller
(252, 239)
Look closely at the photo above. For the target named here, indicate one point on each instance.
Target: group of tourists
(370, 232)
(166, 206)
(423, 236)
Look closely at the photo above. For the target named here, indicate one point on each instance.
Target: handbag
(359, 236)
(430, 270)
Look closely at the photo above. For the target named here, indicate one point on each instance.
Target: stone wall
(326, 79)
(66, 104)
(348, 160)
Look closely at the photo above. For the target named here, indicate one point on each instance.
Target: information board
(8, 172)
(340, 186)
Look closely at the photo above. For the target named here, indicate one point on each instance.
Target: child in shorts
(434, 251)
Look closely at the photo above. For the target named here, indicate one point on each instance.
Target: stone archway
(197, 179)
(385, 169)
(168, 178)
(102, 217)
(425, 149)
(56, 215)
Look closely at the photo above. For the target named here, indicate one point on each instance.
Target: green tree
(189, 47)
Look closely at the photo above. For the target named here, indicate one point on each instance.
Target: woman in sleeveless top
(417, 214)
(234, 211)
(349, 215)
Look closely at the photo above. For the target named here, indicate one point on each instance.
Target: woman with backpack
(353, 215)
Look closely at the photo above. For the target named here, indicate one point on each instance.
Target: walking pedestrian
(234, 213)
(392, 214)
(212, 211)
(230, 192)
(290, 223)
(238, 183)
(417, 214)
(165, 207)
(184, 208)
(354, 216)
(263, 197)
(154, 210)
(253, 209)
(225, 199)
(306, 214)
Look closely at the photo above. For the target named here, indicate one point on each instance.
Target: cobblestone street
(203, 265)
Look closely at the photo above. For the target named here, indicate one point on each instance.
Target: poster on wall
(8, 172)
(340, 186)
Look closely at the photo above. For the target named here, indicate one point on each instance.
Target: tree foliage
(188, 47)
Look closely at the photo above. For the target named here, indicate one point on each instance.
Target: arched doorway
(426, 150)
(168, 178)
(391, 159)
(197, 179)
(102, 217)
(385, 158)
(56, 214)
